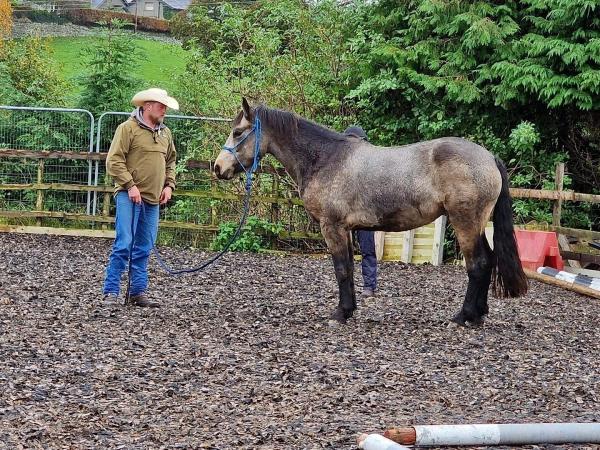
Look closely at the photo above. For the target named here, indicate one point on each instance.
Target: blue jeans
(366, 242)
(141, 222)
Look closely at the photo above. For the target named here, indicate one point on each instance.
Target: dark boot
(368, 292)
(142, 301)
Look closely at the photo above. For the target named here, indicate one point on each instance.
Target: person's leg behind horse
(366, 242)
(119, 257)
(145, 238)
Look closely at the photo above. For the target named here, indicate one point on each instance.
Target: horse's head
(240, 151)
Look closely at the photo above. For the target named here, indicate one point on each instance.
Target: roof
(173, 4)
(96, 3)
(178, 4)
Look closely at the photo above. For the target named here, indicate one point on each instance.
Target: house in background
(159, 9)
(172, 7)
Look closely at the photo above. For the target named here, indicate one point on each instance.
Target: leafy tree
(27, 75)
(5, 22)
(108, 84)
(522, 78)
(286, 53)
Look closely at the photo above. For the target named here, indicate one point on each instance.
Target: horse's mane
(285, 122)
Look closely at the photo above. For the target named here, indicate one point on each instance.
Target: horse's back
(395, 188)
(460, 151)
(443, 150)
(435, 162)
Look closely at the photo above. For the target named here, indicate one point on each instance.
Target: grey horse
(347, 183)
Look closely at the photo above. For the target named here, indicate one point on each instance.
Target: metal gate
(41, 151)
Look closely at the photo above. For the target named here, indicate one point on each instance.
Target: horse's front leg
(339, 243)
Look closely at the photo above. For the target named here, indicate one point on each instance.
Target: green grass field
(159, 62)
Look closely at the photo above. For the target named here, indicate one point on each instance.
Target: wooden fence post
(106, 202)
(39, 204)
(213, 207)
(558, 181)
(437, 257)
(275, 208)
(407, 246)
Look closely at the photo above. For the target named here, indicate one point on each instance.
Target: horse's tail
(508, 277)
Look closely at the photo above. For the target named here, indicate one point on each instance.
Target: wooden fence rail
(558, 196)
(554, 195)
(275, 200)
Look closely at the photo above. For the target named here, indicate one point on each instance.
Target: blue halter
(257, 130)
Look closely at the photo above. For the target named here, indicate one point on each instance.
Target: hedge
(40, 16)
(93, 16)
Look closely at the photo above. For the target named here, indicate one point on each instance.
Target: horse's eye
(237, 133)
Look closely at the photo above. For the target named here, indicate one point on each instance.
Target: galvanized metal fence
(52, 174)
(53, 180)
(43, 148)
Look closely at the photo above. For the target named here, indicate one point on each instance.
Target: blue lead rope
(256, 129)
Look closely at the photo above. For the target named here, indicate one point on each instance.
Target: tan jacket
(142, 157)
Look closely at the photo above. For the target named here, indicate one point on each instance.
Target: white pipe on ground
(378, 442)
(499, 434)
(583, 280)
(584, 290)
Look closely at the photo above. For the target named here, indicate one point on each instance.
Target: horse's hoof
(476, 322)
(341, 315)
(461, 320)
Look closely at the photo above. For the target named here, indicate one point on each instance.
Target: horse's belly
(403, 219)
(407, 219)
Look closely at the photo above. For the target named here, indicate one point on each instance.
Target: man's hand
(165, 195)
(134, 194)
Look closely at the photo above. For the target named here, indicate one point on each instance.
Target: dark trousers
(366, 242)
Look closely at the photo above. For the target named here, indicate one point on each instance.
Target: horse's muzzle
(218, 172)
(222, 173)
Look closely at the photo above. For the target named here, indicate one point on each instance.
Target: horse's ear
(246, 109)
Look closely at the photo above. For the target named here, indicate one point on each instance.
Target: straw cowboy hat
(154, 95)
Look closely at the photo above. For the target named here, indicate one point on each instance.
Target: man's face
(156, 111)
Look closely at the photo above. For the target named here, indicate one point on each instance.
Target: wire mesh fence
(42, 146)
(52, 173)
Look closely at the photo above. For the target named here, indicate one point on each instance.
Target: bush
(41, 16)
(286, 53)
(254, 235)
(93, 16)
(27, 75)
(107, 84)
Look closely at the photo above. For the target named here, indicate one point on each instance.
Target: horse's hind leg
(487, 266)
(479, 262)
(340, 245)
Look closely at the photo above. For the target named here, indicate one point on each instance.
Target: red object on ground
(538, 248)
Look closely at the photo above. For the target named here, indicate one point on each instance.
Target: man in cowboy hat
(366, 239)
(141, 160)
